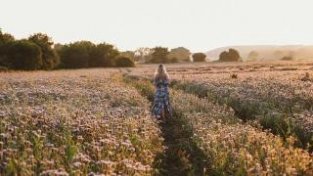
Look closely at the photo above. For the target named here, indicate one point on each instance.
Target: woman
(161, 106)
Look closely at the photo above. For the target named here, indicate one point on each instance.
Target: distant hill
(267, 52)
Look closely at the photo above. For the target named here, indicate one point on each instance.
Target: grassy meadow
(251, 118)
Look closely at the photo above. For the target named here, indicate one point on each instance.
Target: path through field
(182, 155)
(214, 142)
(276, 96)
(98, 121)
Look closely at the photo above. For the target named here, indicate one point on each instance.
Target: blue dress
(161, 98)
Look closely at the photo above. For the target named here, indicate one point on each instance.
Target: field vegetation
(229, 119)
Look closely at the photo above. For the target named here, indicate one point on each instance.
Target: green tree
(6, 38)
(5, 42)
(25, 55)
(87, 45)
(74, 56)
(85, 54)
(179, 54)
(160, 55)
(50, 59)
(103, 55)
(198, 57)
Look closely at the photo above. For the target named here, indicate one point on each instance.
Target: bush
(199, 57)
(25, 55)
(123, 61)
(231, 55)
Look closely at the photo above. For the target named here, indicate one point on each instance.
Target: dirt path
(182, 155)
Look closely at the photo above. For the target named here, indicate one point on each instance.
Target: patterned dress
(161, 98)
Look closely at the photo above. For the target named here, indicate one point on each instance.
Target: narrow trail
(182, 155)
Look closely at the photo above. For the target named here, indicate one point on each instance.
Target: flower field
(74, 123)
(278, 95)
(249, 119)
(232, 147)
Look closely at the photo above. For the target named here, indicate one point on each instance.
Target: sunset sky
(199, 25)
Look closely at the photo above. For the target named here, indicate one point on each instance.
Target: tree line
(164, 55)
(181, 54)
(39, 52)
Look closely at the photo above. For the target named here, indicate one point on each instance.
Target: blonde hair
(161, 73)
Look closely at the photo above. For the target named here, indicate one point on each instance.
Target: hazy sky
(199, 25)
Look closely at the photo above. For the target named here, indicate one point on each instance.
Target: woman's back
(161, 83)
(161, 99)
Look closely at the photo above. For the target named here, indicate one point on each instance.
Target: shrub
(123, 61)
(231, 55)
(198, 57)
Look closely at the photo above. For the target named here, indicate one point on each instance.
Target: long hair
(161, 73)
